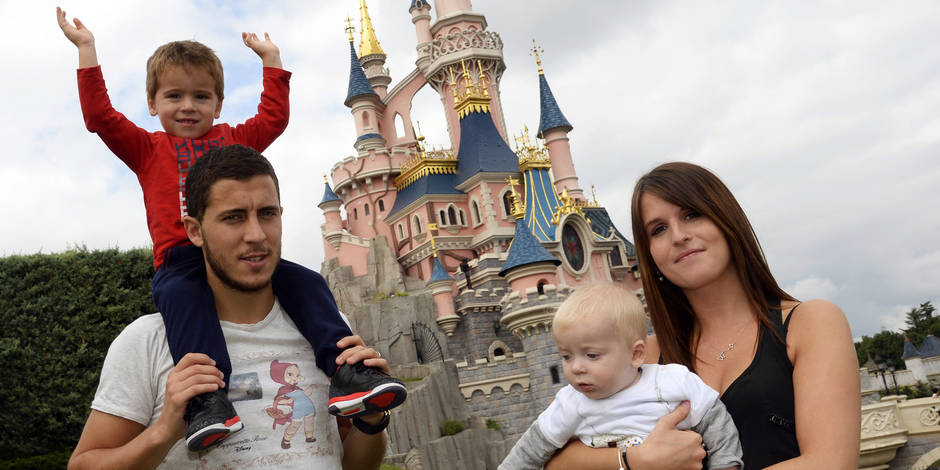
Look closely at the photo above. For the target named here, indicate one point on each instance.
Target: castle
(496, 235)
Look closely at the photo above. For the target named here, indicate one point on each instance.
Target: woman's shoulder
(814, 324)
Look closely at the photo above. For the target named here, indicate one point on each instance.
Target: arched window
(442, 219)
(399, 125)
(463, 220)
(507, 203)
(367, 209)
(416, 224)
(475, 212)
(401, 232)
(355, 213)
(452, 215)
(541, 286)
(381, 205)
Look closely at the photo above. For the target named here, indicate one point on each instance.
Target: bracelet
(367, 428)
(622, 456)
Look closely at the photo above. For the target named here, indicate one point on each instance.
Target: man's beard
(216, 266)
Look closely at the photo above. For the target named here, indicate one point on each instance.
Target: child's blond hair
(619, 304)
(184, 54)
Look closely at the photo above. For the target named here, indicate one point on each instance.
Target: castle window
(475, 212)
(499, 352)
(555, 377)
(541, 287)
(401, 232)
(507, 203)
(355, 213)
(452, 215)
(442, 218)
(381, 205)
(463, 220)
(367, 209)
(416, 224)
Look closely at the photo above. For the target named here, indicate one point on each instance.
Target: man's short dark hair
(234, 162)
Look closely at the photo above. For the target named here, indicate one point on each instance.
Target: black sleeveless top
(760, 401)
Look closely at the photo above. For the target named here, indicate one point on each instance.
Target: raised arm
(113, 442)
(267, 50)
(825, 388)
(81, 37)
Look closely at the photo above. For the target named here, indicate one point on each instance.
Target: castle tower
(441, 285)
(332, 229)
(421, 17)
(530, 305)
(371, 55)
(554, 129)
(363, 101)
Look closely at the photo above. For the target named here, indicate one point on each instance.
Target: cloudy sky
(823, 118)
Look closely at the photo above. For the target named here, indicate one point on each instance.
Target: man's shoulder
(145, 327)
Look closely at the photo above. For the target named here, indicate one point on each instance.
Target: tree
(887, 344)
(921, 322)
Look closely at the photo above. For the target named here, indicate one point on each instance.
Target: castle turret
(371, 55)
(421, 17)
(554, 128)
(333, 227)
(363, 100)
(442, 285)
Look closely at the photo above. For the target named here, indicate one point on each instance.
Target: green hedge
(58, 315)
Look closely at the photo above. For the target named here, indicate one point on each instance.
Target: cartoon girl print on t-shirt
(292, 405)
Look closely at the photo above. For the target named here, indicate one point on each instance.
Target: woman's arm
(825, 388)
(666, 448)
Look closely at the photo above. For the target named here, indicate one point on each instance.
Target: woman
(786, 371)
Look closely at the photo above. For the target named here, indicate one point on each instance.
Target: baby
(612, 397)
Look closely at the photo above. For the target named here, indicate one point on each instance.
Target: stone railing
(467, 39)
(900, 433)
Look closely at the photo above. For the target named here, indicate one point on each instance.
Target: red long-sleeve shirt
(161, 161)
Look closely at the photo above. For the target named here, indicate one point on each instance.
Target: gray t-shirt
(266, 358)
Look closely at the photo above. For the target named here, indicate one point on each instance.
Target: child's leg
(182, 295)
(354, 389)
(307, 299)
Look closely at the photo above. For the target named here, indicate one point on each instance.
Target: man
(136, 421)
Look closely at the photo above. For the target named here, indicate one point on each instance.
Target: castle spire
(551, 116)
(358, 83)
(369, 44)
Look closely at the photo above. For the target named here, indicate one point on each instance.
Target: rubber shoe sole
(213, 434)
(384, 397)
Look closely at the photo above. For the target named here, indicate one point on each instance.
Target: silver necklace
(721, 355)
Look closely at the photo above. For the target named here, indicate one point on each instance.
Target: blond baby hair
(613, 300)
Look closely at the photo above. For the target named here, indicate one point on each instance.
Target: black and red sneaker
(210, 419)
(358, 389)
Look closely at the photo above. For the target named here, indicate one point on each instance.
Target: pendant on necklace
(721, 355)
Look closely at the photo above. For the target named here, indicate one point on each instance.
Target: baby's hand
(267, 50)
(78, 34)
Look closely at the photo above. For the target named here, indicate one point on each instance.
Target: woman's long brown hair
(693, 187)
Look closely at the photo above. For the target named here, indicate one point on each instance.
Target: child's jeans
(182, 295)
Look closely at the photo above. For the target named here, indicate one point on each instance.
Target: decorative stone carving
(465, 39)
(930, 416)
(448, 323)
(879, 421)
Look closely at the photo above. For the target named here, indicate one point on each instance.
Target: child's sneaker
(357, 389)
(210, 418)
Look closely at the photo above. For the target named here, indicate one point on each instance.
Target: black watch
(367, 428)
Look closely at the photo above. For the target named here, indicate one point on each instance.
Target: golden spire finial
(369, 44)
(453, 83)
(431, 227)
(325, 179)
(468, 85)
(471, 100)
(486, 93)
(349, 28)
(594, 195)
(536, 50)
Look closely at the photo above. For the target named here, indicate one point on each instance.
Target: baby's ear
(151, 106)
(218, 109)
(639, 353)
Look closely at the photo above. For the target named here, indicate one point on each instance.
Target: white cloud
(813, 287)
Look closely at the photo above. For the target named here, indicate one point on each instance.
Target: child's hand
(267, 50)
(78, 34)
(81, 37)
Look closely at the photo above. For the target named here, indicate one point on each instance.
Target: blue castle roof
(482, 149)
(931, 347)
(540, 203)
(429, 184)
(551, 116)
(358, 83)
(525, 250)
(419, 4)
(601, 225)
(328, 195)
(909, 350)
(438, 273)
